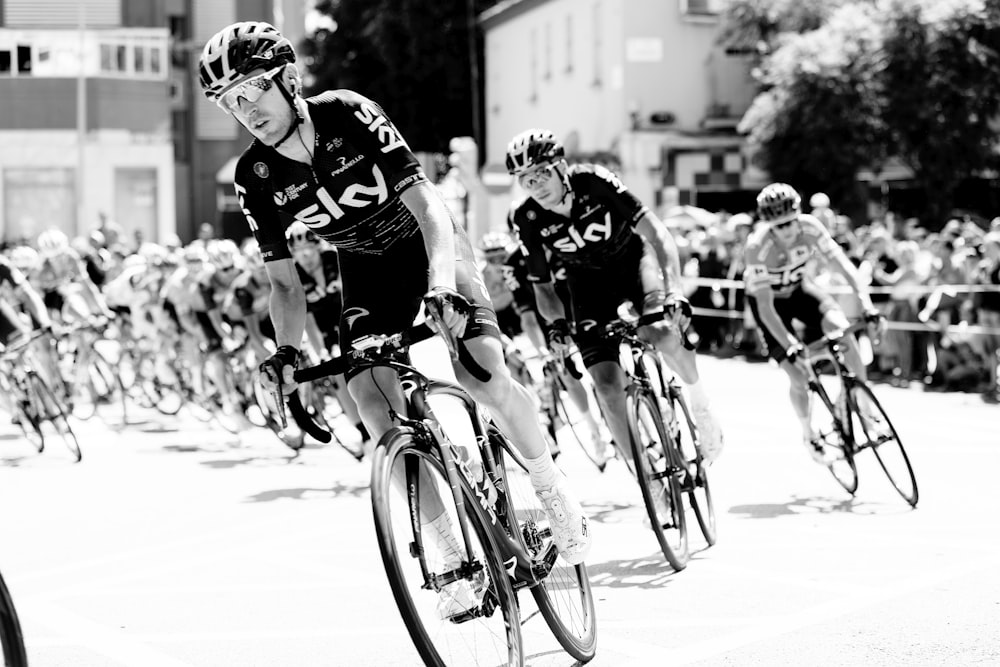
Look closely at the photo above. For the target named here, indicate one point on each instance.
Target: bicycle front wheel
(443, 566)
(659, 476)
(873, 430)
(695, 473)
(50, 409)
(830, 421)
(577, 428)
(11, 640)
(563, 595)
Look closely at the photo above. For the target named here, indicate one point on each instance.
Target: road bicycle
(559, 409)
(496, 541)
(32, 401)
(664, 442)
(94, 384)
(11, 640)
(852, 419)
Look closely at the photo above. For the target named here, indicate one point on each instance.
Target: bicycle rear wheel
(11, 639)
(427, 569)
(109, 395)
(51, 410)
(695, 473)
(563, 595)
(576, 430)
(27, 420)
(873, 430)
(659, 476)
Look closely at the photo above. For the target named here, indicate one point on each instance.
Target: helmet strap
(295, 107)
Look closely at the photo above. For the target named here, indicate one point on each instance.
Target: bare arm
(656, 233)
(435, 221)
(844, 266)
(550, 306)
(288, 302)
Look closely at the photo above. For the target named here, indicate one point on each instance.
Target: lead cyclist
(780, 291)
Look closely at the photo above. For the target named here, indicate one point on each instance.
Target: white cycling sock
(542, 471)
(444, 537)
(699, 398)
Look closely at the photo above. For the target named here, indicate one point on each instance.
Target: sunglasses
(532, 180)
(784, 225)
(250, 90)
(227, 269)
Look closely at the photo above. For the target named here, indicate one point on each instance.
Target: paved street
(174, 543)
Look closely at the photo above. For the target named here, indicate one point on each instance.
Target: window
(139, 56)
(699, 8)
(24, 59)
(107, 58)
(4, 61)
(154, 60)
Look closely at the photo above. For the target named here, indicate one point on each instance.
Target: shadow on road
(650, 571)
(338, 490)
(799, 505)
(607, 512)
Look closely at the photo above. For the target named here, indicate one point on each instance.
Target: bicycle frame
(523, 570)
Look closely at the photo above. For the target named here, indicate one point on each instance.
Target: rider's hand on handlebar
(876, 324)
(796, 355)
(559, 338)
(280, 365)
(677, 310)
(454, 309)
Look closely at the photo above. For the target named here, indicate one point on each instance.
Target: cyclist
(614, 249)
(66, 287)
(536, 330)
(779, 290)
(338, 164)
(319, 273)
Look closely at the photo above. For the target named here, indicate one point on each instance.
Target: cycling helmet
(133, 261)
(237, 50)
(778, 202)
(298, 234)
(52, 241)
(25, 258)
(532, 148)
(195, 253)
(493, 241)
(251, 251)
(153, 253)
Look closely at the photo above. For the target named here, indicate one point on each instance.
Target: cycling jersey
(11, 324)
(597, 234)
(350, 196)
(781, 268)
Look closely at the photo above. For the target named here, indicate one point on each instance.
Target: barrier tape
(951, 290)
(961, 329)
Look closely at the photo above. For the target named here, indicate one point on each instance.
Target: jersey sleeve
(755, 277)
(531, 245)
(817, 233)
(256, 197)
(377, 135)
(616, 195)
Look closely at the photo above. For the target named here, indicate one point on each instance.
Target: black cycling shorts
(806, 306)
(383, 293)
(597, 295)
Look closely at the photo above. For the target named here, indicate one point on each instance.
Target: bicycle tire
(881, 437)
(685, 435)
(108, 390)
(838, 434)
(397, 447)
(658, 475)
(564, 596)
(11, 638)
(578, 430)
(28, 421)
(51, 410)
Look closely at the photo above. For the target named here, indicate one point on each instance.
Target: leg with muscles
(801, 397)
(609, 383)
(667, 339)
(509, 403)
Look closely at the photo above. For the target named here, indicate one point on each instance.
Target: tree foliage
(818, 120)
(942, 82)
(410, 56)
(914, 79)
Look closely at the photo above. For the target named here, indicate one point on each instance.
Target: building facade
(101, 115)
(641, 80)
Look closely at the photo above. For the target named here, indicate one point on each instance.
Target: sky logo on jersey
(378, 124)
(595, 232)
(353, 196)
